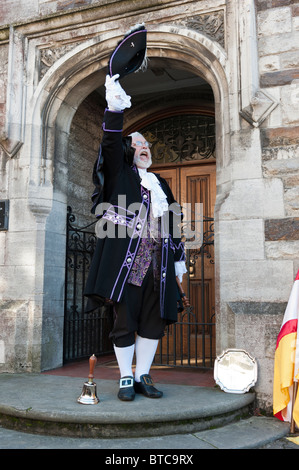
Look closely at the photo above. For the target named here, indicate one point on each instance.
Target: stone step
(251, 433)
(48, 404)
(186, 415)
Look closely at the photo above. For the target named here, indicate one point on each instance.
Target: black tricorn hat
(130, 53)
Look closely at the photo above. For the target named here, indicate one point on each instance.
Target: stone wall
(85, 135)
(278, 34)
(259, 230)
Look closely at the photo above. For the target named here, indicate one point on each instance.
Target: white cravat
(159, 203)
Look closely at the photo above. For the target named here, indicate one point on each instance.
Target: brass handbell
(89, 391)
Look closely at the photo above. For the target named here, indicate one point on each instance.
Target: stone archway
(56, 99)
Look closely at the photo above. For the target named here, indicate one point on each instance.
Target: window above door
(181, 138)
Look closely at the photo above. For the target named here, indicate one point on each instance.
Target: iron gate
(188, 343)
(84, 333)
(191, 341)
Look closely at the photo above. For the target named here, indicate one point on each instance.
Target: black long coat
(116, 193)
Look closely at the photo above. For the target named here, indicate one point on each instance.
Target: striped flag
(286, 361)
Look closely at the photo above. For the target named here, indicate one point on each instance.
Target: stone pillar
(22, 275)
(257, 273)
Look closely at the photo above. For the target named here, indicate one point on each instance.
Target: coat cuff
(113, 121)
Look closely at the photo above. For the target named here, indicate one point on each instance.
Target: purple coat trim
(164, 260)
(180, 251)
(114, 217)
(120, 44)
(110, 130)
(131, 255)
(113, 111)
(104, 125)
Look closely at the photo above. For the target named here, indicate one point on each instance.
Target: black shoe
(146, 387)
(126, 389)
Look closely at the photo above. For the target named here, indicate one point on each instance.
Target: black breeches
(138, 312)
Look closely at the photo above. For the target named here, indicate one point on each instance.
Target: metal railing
(84, 333)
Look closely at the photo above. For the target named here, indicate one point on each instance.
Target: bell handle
(92, 363)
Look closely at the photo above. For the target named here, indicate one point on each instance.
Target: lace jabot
(159, 203)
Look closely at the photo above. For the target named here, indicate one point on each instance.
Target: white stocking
(145, 351)
(124, 358)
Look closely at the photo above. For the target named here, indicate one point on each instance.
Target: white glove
(180, 269)
(116, 97)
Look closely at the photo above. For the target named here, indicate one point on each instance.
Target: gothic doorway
(183, 150)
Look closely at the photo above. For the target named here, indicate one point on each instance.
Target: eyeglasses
(138, 143)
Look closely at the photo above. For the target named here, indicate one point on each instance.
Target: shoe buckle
(148, 381)
(126, 382)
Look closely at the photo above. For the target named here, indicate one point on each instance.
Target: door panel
(172, 176)
(198, 184)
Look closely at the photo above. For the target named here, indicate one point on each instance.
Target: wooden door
(192, 340)
(172, 176)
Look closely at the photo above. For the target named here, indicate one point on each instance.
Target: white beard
(141, 164)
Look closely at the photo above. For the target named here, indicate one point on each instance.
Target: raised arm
(109, 163)
(112, 150)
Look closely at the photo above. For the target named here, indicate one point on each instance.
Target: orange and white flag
(286, 361)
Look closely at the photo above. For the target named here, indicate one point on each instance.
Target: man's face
(142, 156)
